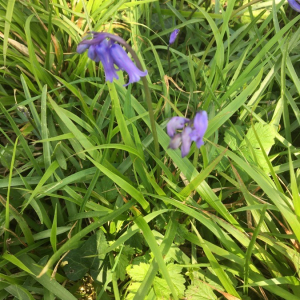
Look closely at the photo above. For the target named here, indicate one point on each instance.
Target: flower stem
(100, 37)
(169, 63)
(148, 98)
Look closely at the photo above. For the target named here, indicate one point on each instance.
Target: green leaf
(53, 235)
(266, 134)
(14, 260)
(120, 269)
(177, 278)
(8, 19)
(233, 136)
(161, 289)
(46, 280)
(87, 258)
(138, 272)
(133, 288)
(199, 291)
(19, 292)
(107, 188)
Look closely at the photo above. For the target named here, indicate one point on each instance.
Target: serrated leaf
(177, 278)
(250, 146)
(161, 289)
(120, 270)
(136, 241)
(138, 272)
(146, 258)
(127, 250)
(133, 288)
(266, 135)
(256, 157)
(207, 276)
(199, 291)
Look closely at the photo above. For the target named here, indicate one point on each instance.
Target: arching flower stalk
(112, 56)
(106, 47)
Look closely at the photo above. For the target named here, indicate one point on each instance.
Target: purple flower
(175, 141)
(121, 59)
(194, 131)
(186, 141)
(81, 48)
(200, 125)
(295, 5)
(174, 124)
(173, 36)
(102, 51)
(111, 55)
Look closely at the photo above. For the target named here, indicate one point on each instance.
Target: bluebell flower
(200, 126)
(174, 124)
(295, 5)
(186, 141)
(193, 131)
(112, 56)
(173, 36)
(121, 59)
(175, 141)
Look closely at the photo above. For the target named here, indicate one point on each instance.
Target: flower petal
(200, 126)
(81, 48)
(201, 122)
(186, 141)
(103, 53)
(173, 36)
(174, 124)
(199, 142)
(295, 5)
(122, 60)
(92, 53)
(175, 141)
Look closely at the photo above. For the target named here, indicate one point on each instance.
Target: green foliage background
(81, 189)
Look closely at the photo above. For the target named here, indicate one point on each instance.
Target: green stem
(169, 63)
(148, 99)
(100, 37)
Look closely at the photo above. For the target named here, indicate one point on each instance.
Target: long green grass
(87, 206)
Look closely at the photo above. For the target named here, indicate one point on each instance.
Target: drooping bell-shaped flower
(82, 48)
(110, 54)
(200, 126)
(102, 51)
(174, 124)
(173, 36)
(92, 53)
(121, 59)
(295, 5)
(186, 141)
(194, 131)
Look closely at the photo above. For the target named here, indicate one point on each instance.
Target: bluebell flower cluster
(295, 5)
(104, 48)
(173, 36)
(193, 131)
